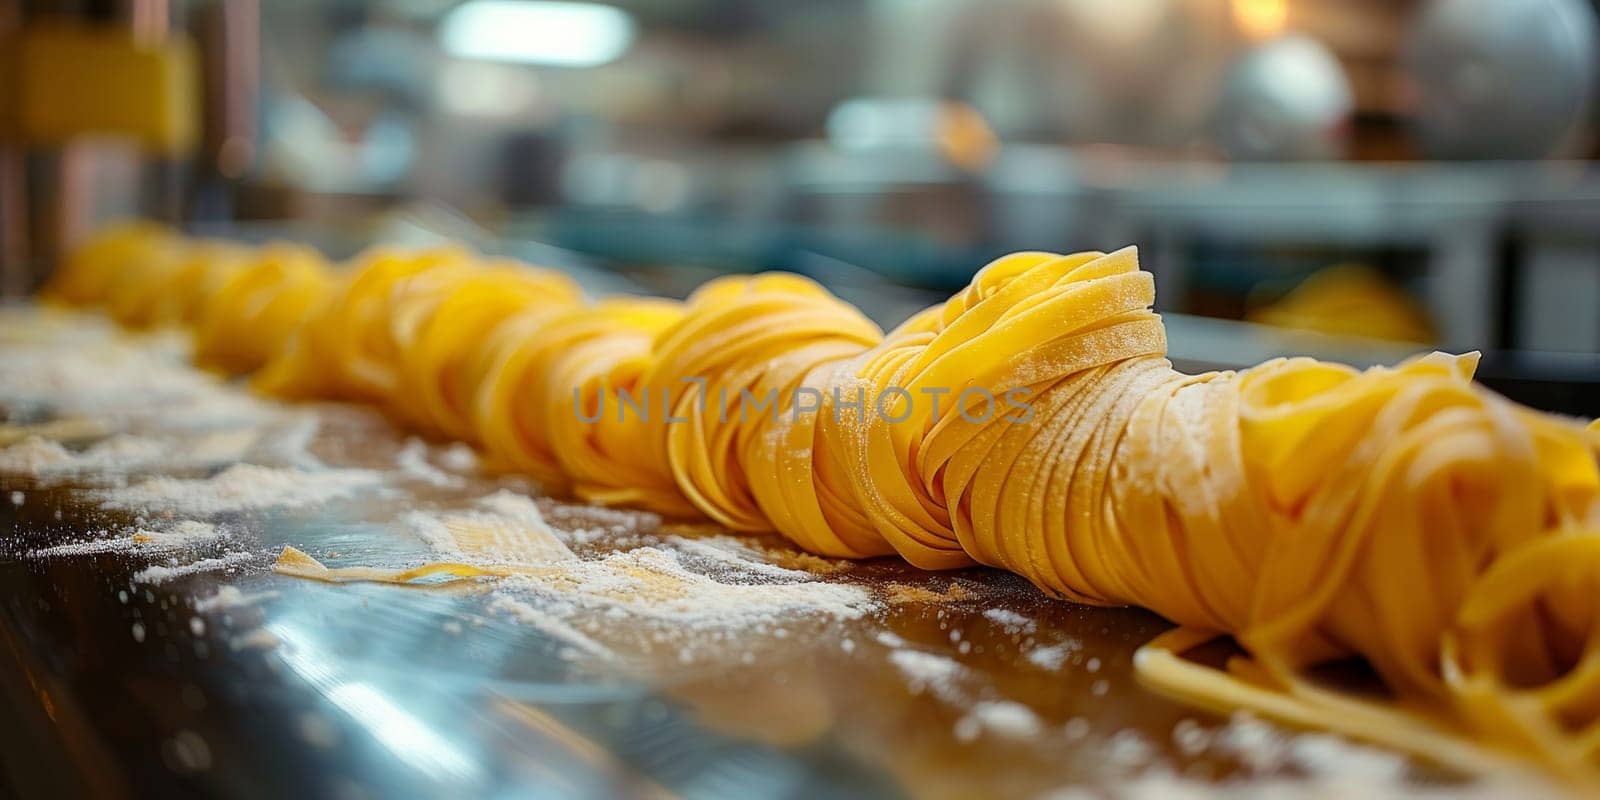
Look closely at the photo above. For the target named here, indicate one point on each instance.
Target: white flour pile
(1264, 747)
(36, 326)
(84, 375)
(414, 463)
(183, 535)
(677, 586)
(231, 597)
(1276, 763)
(1280, 763)
(999, 717)
(517, 508)
(43, 458)
(726, 553)
(162, 573)
(576, 642)
(633, 603)
(652, 583)
(242, 487)
(504, 530)
(929, 673)
(581, 525)
(1164, 785)
(1010, 621)
(87, 375)
(458, 457)
(287, 442)
(173, 542)
(1054, 656)
(36, 455)
(950, 682)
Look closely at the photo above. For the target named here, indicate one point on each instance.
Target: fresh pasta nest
(1404, 516)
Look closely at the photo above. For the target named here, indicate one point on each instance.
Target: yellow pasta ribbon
(86, 276)
(257, 309)
(743, 344)
(539, 372)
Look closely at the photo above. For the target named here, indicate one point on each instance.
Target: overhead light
(1261, 19)
(543, 32)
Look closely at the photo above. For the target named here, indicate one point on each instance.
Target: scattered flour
(890, 639)
(926, 672)
(167, 572)
(412, 462)
(105, 372)
(687, 587)
(1264, 747)
(1128, 748)
(287, 442)
(242, 487)
(458, 457)
(1279, 763)
(228, 597)
(1191, 737)
(217, 409)
(551, 624)
(513, 505)
(501, 532)
(1002, 717)
(651, 583)
(652, 590)
(178, 536)
(187, 533)
(1323, 754)
(123, 451)
(1162, 784)
(1052, 657)
(1010, 620)
(582, 524)
(33, 456)
(728, 552)
(40, 457)
(123, 388)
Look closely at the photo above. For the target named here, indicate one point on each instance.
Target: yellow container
(69, 80)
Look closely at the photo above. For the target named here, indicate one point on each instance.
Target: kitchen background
(1413, 173)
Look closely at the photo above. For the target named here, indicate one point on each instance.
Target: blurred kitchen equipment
(1286, 99)
(111, 110)
(71, 77)
(1503, 79)
(1140, 72)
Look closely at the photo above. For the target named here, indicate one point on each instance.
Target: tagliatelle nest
(1313, 512)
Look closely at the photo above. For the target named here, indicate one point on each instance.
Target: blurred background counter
(1394, 174)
